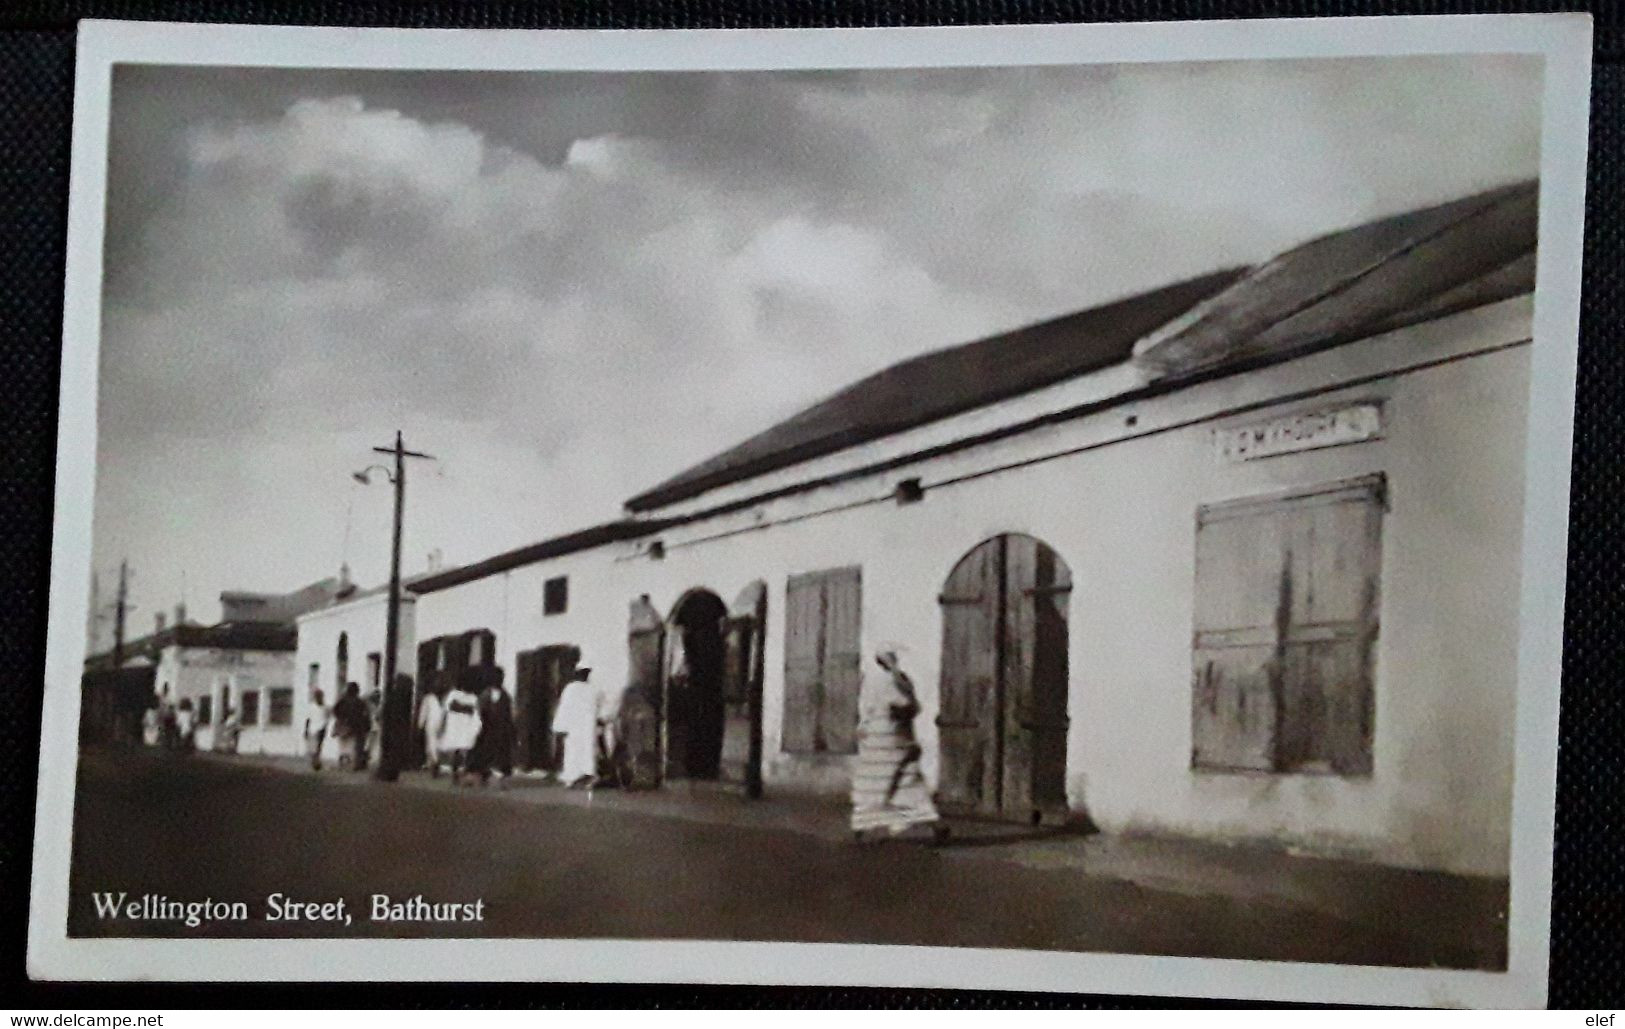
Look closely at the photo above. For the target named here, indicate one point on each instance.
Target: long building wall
(1120, 509)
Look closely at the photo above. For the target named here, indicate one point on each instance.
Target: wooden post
(390, 742)
(118, 617)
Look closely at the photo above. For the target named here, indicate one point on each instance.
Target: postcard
(1069, 508)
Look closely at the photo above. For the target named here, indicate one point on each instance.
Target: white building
(1238, 557)
(246, 669)
(242, 666)
(344, 642)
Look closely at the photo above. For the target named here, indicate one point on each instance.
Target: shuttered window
(280, 710)
(823, 612)
(1285, 630)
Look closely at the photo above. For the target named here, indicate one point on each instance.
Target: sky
(568, 287)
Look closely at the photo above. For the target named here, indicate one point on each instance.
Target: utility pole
(121, 609)
(391, 719)
(93, 624)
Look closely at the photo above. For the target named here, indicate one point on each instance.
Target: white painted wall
(1120, 509)
(510, 605)
(194, 672)
(366, 621)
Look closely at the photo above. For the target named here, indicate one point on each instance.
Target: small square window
(555, 595)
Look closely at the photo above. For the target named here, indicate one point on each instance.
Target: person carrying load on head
(889, 792)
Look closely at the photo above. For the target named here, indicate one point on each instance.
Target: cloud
(572, 286)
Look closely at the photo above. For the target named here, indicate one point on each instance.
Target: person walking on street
(151, 726)
(431, 722)
(230, 728)
(185, 726)
(316, 729)
(351, 724)
(375, 727)
(889, 792)
(492, 754)
(576, 718)
(166, 719)
(462, 728)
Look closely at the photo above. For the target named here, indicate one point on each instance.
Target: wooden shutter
(803, 662)
(528, 722)
(1238, 590)
(967, 721)
(843, 660)
(1335, 556)
(646, 633)
(1286, 602)
(479, 648)
(823, 661)
(1037, 588)
(737, 640)
(456, 654)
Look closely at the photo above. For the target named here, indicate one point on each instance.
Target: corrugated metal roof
(945, 382)
(1355, 283)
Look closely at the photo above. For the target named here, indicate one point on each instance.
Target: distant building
(283, 608)
(242, 667)
(242, 670)
(113, 703)
(1237, 557)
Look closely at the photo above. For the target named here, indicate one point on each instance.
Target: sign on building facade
(1292, 434)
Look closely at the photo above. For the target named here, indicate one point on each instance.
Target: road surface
(193, 828)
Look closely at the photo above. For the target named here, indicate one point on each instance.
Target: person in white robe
(432, 723)
(576, 718)
(461, 727)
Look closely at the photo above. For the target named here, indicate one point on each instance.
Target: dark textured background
(36, 79)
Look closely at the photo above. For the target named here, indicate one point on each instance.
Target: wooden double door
(1002, 726)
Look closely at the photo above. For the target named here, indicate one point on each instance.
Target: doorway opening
(539, 678)
(1003, 721)
(694, 687)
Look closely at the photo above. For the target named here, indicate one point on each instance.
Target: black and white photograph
(998, 506)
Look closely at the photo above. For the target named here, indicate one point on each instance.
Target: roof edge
(674, 491)
(556, 546)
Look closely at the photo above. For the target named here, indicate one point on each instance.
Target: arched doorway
(1003, 720)
(694, 702)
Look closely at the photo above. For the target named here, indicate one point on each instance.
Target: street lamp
(393, 718)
